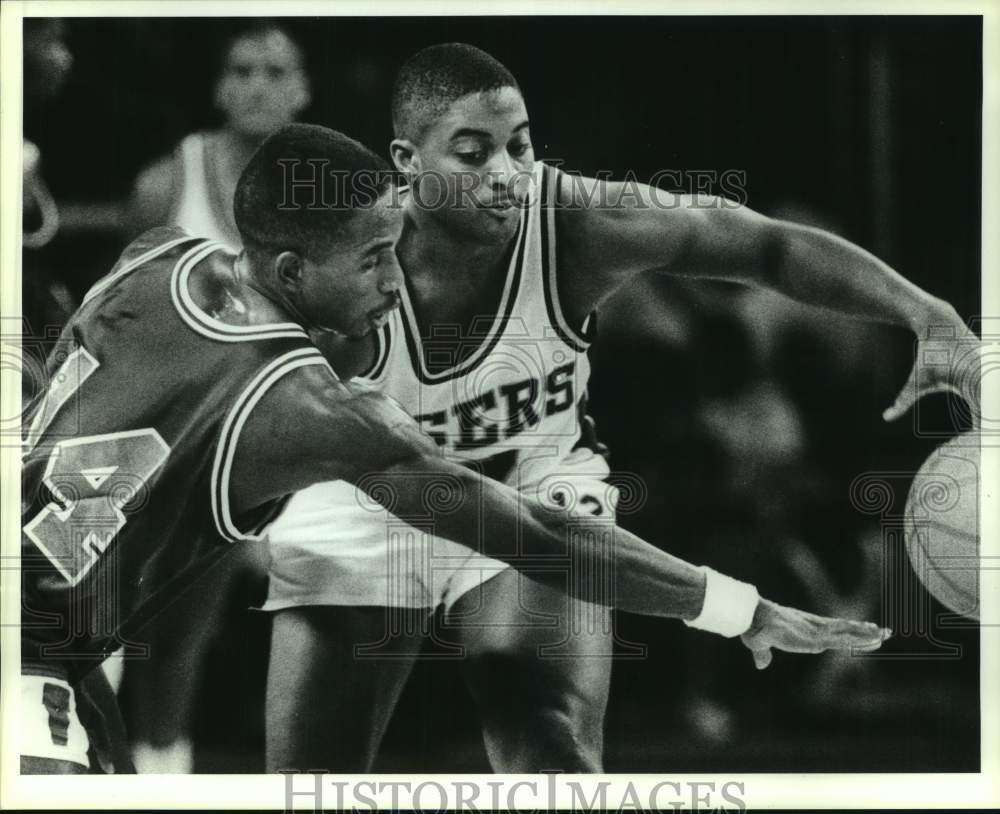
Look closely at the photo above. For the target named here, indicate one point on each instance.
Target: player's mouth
(380, 316)
(378, 319)
(501, 210)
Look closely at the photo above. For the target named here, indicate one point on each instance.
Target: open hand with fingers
(947, 361)
(796, 631)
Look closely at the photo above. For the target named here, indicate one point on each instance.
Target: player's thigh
(334, 677)
(529, 642)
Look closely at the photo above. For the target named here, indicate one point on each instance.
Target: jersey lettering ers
(510, 388)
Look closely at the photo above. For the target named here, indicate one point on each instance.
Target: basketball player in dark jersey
(262, 86)
(463, 140)
(187, 397)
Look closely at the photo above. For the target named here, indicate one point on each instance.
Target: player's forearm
(623, 572)
(819, 268)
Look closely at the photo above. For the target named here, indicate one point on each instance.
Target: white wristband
(729, 605)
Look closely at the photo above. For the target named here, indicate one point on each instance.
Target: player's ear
(405, 157)
(288, 267)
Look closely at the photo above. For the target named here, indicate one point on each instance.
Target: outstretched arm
(301, 436)
(703, 236)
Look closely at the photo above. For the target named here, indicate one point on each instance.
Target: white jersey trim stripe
(578, 342)
(132, 265)
(500, 317)
(201, 322)
(229, 437)
(382, 344)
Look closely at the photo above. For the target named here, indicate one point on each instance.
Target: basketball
(941, 525)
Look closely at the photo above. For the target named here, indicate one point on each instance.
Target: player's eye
(275, 73)
(519, 149)
(470, 156)
(242, 71)
(370, 263)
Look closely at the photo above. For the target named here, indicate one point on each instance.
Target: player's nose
(392, 276)
(500, 173)
(509, 182)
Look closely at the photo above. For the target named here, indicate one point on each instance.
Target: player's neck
(264, 301)
(429, 249)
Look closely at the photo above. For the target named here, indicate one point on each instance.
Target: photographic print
(404, 403)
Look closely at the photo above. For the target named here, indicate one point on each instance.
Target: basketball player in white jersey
(262, 87)
(505, 261)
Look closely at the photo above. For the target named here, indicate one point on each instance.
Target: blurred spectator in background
(262, 85)
(46, 301)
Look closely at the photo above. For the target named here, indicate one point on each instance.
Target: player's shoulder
(579, 193)
(158, 243)
(595, 217)
(160, 247)
(157, 188)
(316, 389)
(164, 170)
(157, 180)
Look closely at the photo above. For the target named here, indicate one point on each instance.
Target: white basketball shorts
(50, 727)
(331, 546)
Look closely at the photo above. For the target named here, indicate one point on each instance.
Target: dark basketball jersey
(125, 477)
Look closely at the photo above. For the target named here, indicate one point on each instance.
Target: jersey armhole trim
(578, 340)
(208, 326)
(499, 322)
(233, 425)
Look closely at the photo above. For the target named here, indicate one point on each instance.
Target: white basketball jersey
(511, 403)
(508, 407)
(194, 211)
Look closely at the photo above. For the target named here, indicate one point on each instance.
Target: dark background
(870, 126)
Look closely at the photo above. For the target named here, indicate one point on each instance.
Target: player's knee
(562, 733)
(578, 732)
(548, 738)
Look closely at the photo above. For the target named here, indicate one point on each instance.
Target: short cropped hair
(432, 79)
(302, 185)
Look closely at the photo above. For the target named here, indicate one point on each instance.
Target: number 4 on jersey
(93, 478)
